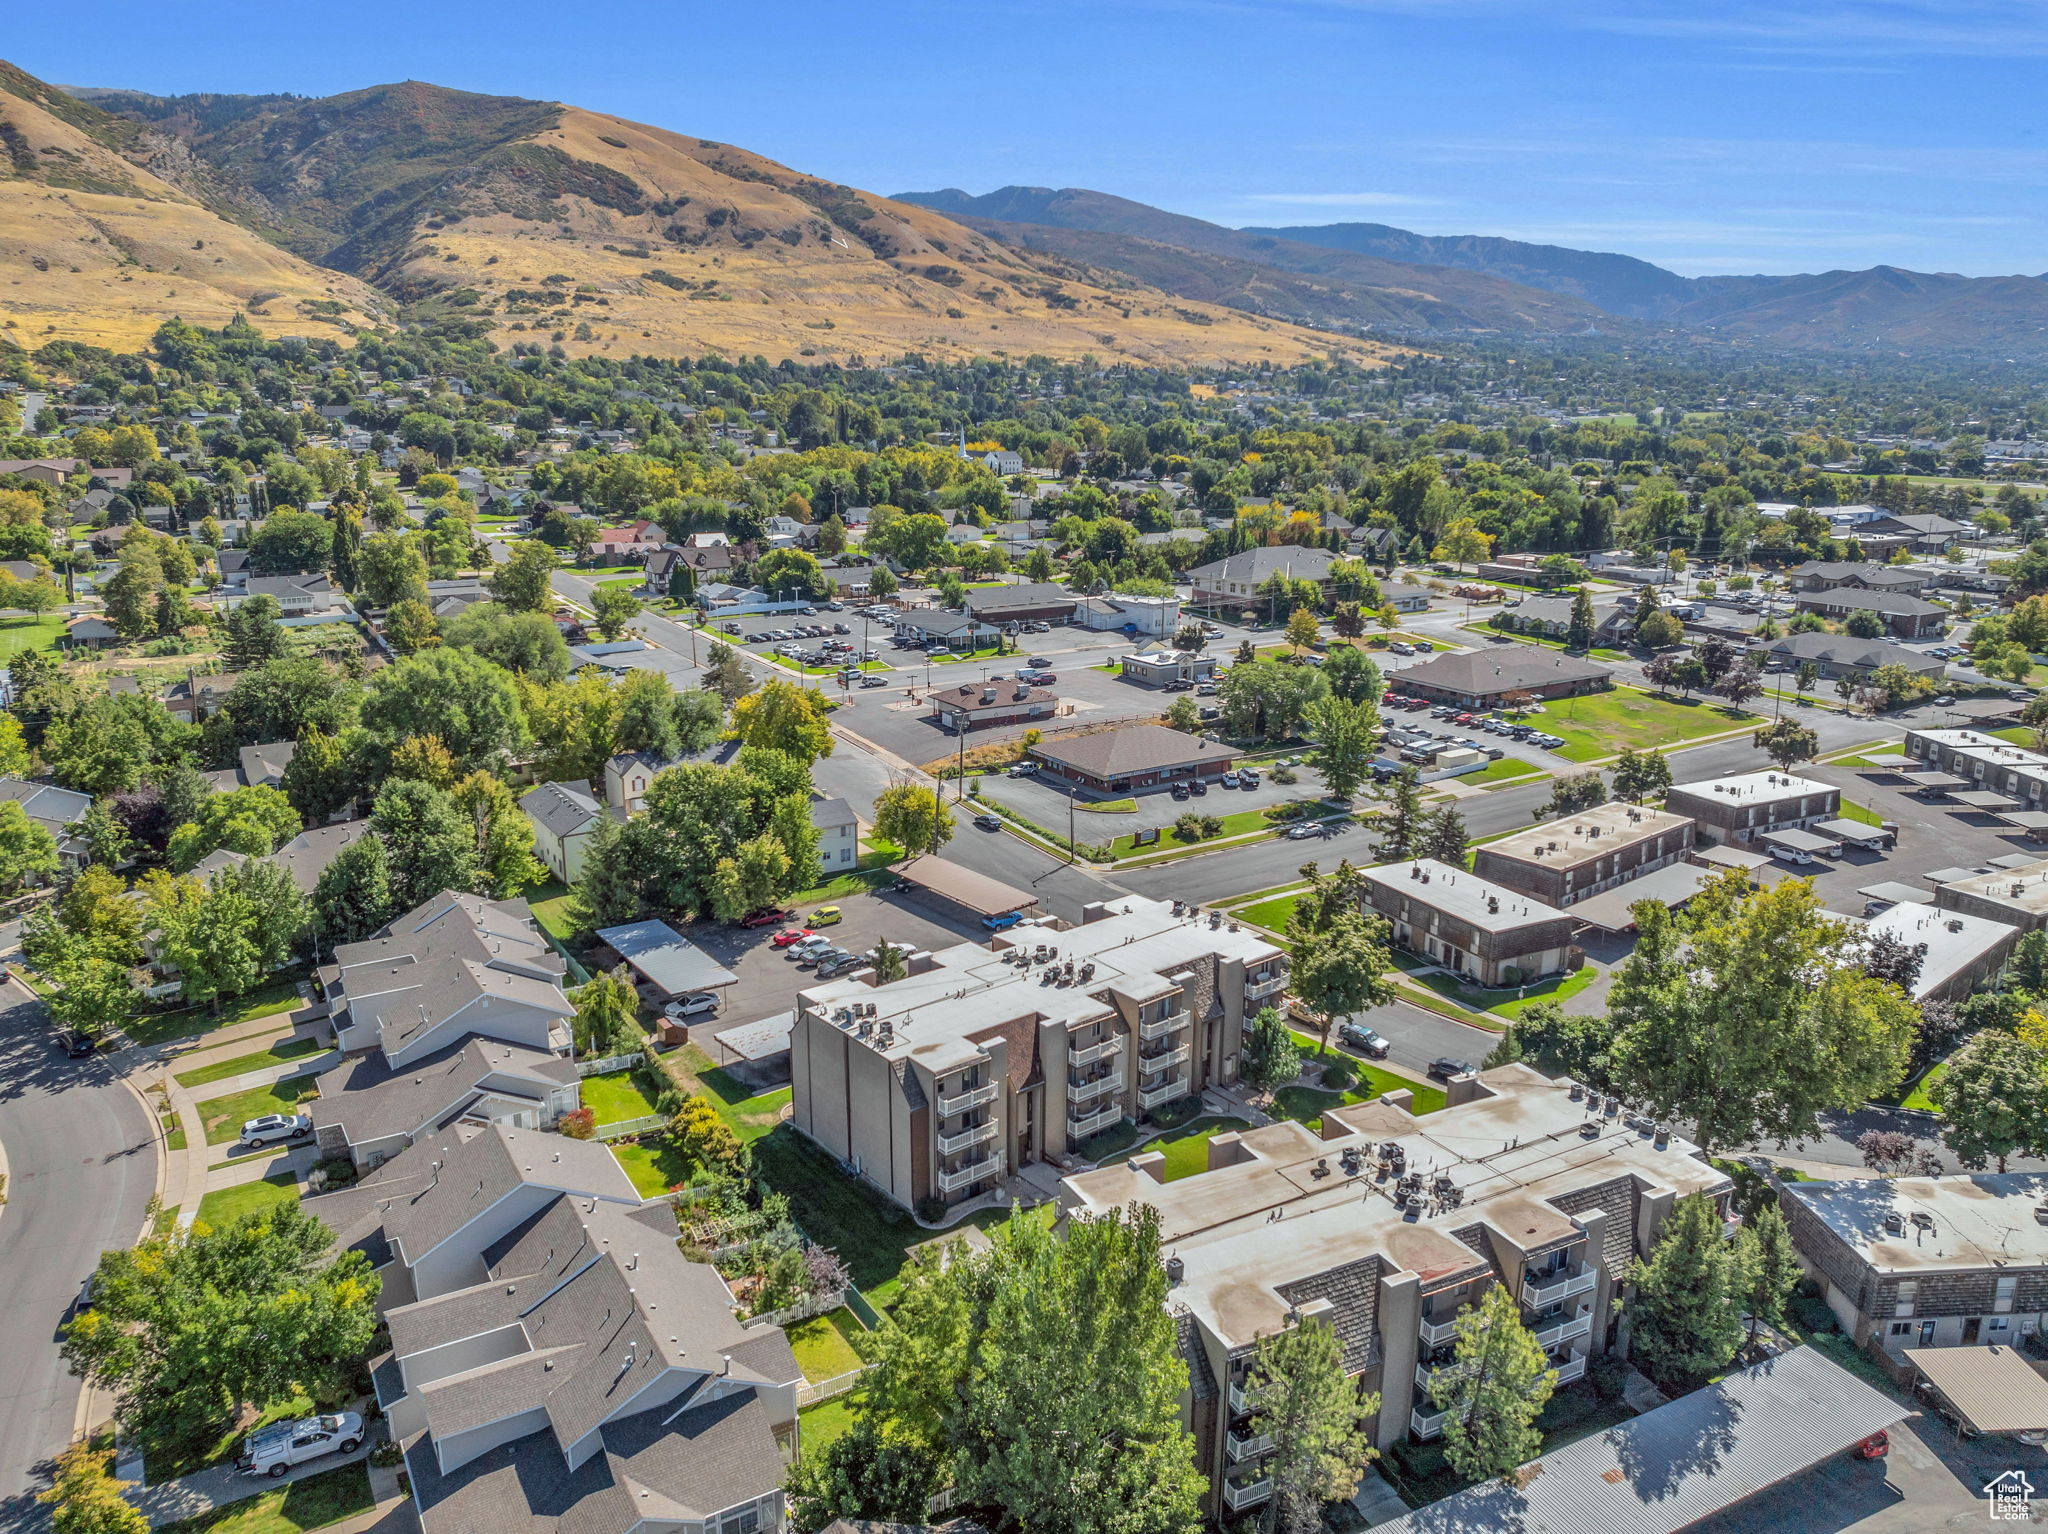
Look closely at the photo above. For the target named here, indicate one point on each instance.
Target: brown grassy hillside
(95, 249)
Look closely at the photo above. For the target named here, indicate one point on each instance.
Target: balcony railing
(1425, 1371)
(1257, 989)
(1572, 1369)
(1246, 1445)
(1427, 1424)
(1083, 1125)
(967, 1097)
(1436, 1333)
(1247, 1494)
(1165, 1092)
(1243, 1400)
(1163, 1026)
(962, 1139)
(1081, 1091)
(1161, 1059)
(1570, 1329)
(1089, 1054)
(1551, 1289)
(972, 1171)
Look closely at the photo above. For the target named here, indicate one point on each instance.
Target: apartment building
(1386, 1225)
(1579, 855)
(981, 1060)
(1486, 931)
(1986, 762)
(555, 1362)
(1927, 1262)
(1749, 805)
(2016, 897)
(1958, 952)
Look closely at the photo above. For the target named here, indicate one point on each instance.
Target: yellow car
(825, 916)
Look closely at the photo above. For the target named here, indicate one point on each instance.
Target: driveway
(81, 1159)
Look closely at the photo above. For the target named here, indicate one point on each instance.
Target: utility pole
(1070, 825)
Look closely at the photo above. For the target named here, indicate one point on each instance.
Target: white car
(702, 1004)
(810, 947)
(276, 1126)
(1303, 833)
(275, 1449)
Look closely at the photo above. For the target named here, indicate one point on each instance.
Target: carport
(963, 887)
(1993, 1389)
(1938, 783)
(1855, 833)
(1982, 799)
(667, 963)
(1613, 910)
(1800, 846)
(1891, 892)
(2033, 822)
(1895, 761)
(1723, 856)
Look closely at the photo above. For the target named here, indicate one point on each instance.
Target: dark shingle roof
(1134, 748)
(1503, 668)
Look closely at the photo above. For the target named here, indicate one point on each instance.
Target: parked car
(842, 965)
(274, 1450)
(1002, 921)
(75, 1042)
(809, 946)
(1364, 1040)
(988, 822)
(827, 916)
(1876, 1446)
(822, 956)
(1449, 1065)
(1401, 647)
(1942, 700)
(1181, 791)
(701, 1004)
(1302, 833)
(1248, 776)
(1424, 647)
(767, 917)
(1038, 663)
(873, 679)
(1197, 787)
(273, 1127)
(1227, 780)
(791, 937)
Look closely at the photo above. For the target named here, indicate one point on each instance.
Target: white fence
(612, 1063)
(825, 1390)
(802, 1310)
(626, 1127)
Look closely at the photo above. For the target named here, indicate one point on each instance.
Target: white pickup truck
(276, 1449)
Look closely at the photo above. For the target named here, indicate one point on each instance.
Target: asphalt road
(81, 1156)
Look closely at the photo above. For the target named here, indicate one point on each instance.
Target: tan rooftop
(1597, 833)
(1927, 1224)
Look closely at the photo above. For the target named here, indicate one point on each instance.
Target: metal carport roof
(1672, 885)
(665, 958)
(964, 887)
(1995, 1388)
(1669, 1468)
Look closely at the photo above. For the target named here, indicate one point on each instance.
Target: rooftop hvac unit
(1895, 1224)
(1955, 925)
(1176, 1270)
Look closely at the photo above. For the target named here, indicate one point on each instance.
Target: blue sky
(1712, 136)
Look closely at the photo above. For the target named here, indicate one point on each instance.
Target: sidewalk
(204, 1490)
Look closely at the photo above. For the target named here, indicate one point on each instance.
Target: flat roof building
(1386, 1225)
(1495, 935)
(1567, 859)
(2017, 897)
(1960, 951)
(983, 1059)
(1984, 762)
(1743, 807)
(1907, 1262)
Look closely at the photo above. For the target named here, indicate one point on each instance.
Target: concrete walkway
(257, 1166)
(1377, 1501)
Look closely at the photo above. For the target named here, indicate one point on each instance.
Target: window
(1904, 1298)
(742, 1520)
(2002, 1301)
(1998, 1326)
(1902, 1328)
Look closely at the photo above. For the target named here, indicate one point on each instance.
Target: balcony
(1258, 990)
(969, 1172)
(1541, 1291)
(1165, 1092)
(1571, 1369)
(1569, 1329)
(1425, 1371)
(967, 1097)
(963, 1139)
(1240, 1446)
(1160, 1060)
(1426, 1424)
(1241, 1495)
(1078, 1056)
(1081, 1091)
(1082, 1125)
(1243, 1400)
(1436, 1333)
(1164, 1026)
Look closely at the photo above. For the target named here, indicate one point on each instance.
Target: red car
(764, 918)
(791, 937)
(1876, 1446)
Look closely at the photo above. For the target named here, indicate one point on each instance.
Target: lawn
(749, 1114)
(313, 1503)
(262, 1059)
(281, 995)
(553, 907)
(1270, 914)
(954, 658)
(1187, 1149)
(1601, 724)
(653, 1169)
(615, 1097)
(1309, 1103)
(824, 1345)
(1916, 1094)
(225, 1116)
(825, 1424)
(18, 634)
(1108, 807)
(1598, 652)
(1237, 823)
(225, 1204)
(1508, 768)
(1510, 1001)
(1860, 814)
(873, 872)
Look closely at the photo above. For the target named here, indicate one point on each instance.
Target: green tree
(1462, 543)
(280, 700)
(188, 1327)
(1993, 1100)
(410, 625)
(86, 1498)
(784, 716)
(253, 633)
(291, 542)
(646, 719)
(502, 835)
(252, 821)
(613, 608)
(1400, 819)
(913, 815)
(107, 743)
(1685, 1319)
(1343, 970)
(891, 962)
(1575, 795)
(1579, 630)
(90, 993)
(1345, 737)
(1659, 631)
(607, 1018)
(464, 699)
(429, 845)
(27, 849)
(1493, 1391)
(1804, 678)
(1441, 835)
(320, 779)
(1786, 741)
(1769, 1264)
(1640, 775)
(527, 644)
(1752, 1015)
(1302, 630)
(1312, 1412)
(727, 673)
(524, 582)
(353, 897)
(1271, 1057)
(1353, 677)
(391, 568)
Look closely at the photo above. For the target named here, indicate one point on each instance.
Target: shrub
(1338, 1075)
(1285, 775)
(387, 1454)
(931, 1210)
(580, 1123)
(1608, 1376)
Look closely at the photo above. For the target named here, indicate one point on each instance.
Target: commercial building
(981, 1060)
(1958, 952)
(1551, 617)
(1904, 617)
(1488, 676)
(1489, 933)
(1151, 617)
(989, 705)
(555, 1361)
(1156, 668)
(1833, 655)
(1922, 1262)
(1387, 1225)
(1575, 856)
(1134, 759)
(1744, 807)
(957, 631)
(1234, 582)
(1033, 602)
(1828, 575)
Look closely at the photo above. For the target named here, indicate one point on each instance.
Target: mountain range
(534, 221)
(1336, 273)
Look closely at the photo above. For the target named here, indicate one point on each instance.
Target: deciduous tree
(913, 815)
(1345, 736)
(1640, 775)
(1993, 1100)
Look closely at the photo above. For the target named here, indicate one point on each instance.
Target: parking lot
(1423, 719)
(1045, 803)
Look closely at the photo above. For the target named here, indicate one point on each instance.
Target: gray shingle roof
(1503, 668)
(1896, 603)
(1135, 748)
(265, 764)
(368, 1100)
(1308, 564)
(563, 808)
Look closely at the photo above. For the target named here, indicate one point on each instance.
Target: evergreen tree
(1312, 1412)
(1441, 835)
(1492, 1392)
(1400, 818)
(1579, 631)
(607, 1015)
(1770, 1267)
(1685, 1319)
(1647, 602)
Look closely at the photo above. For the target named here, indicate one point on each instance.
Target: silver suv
(275, 1449)
(276, 1126)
